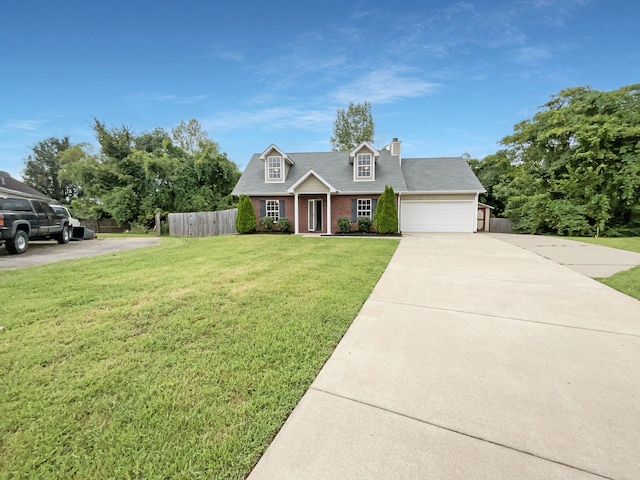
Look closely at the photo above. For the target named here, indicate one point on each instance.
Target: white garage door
(422, 216)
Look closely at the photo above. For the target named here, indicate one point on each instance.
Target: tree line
(573, 169)
(134, 176)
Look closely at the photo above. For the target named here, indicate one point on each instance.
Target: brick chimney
(395, 149)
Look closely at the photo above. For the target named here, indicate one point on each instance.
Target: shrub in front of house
(284, 225)
(364, 224)
(385, 218)
(266, 223)
(344, 224)
(246, 221)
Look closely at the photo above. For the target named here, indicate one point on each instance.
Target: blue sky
(445, 77)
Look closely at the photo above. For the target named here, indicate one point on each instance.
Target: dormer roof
(271, 148)
(362, 146)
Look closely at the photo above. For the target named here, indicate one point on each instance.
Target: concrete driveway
(473, 359)
(595, 261)
(43, 252)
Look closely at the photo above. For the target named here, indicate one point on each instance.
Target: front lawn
(628, 281)
(625, 243)
(177, 361)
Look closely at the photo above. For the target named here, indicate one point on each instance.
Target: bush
(246, 221)
(344, 224)
(284, 225)
(364, 224)
(137, 228)
(266, 223)
(385, 218)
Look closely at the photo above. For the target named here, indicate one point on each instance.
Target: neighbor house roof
(10, 186)
(443, 174)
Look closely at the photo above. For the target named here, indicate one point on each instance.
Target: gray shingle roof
(11, 186)
(440, 175)
(415, 175)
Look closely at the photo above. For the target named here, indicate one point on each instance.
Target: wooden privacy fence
(203, 224)
(501, 225)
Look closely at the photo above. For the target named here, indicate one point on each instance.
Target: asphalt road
(43, 252)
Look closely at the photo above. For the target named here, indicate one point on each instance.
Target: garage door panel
(425, 216)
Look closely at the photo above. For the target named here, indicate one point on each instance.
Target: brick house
(314, 190)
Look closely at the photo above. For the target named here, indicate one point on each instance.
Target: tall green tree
(352, 126)
(136, 176)
(493, 170)
(43, 166)
(578, 165)
(190, 136)
(385, 218)
(246, 220)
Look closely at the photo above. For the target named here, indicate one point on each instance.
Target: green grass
(177, 361)
(627, 281)
(626, 243)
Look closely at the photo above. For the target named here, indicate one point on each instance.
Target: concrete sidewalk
(594, 261)
(473, 359)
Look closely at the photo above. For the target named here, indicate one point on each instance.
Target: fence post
(157, 228)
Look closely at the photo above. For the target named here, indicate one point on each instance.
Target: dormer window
(364, 166)
(276, 164)
(274, 169)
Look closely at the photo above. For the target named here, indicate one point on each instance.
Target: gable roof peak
(375, 152)
(272, 147)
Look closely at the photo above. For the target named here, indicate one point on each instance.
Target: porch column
(295, 214)
(328, 213)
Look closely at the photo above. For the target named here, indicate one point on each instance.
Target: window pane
(364, 207)
(364, 165)
(273, 209)
(274, 167)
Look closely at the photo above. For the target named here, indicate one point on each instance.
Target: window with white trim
(273, 209)
(364, 207)
(364, 166)
(274, 168)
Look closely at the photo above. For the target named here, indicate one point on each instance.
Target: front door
(315, 216)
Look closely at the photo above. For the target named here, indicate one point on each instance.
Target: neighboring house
(313, 190)
(10, 187)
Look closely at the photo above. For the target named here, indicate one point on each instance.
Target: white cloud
(224, 53)
(275, 118)
(29, 125)
(167, 97)
(532, 55)
(384, 86)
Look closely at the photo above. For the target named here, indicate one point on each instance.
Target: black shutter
(281, 208)
(354, 209)
(263, 209)
(374, 204)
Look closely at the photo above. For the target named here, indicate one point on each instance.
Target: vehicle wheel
(19, 243)
(64, 236)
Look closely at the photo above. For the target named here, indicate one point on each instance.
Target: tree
(246, 220)
(577, 165)
(493, 170)
(136, 176)
(352, 127)
(385, 218)
(43, 166)
(190, 136)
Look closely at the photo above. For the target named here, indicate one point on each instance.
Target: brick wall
(288, 209)
(340, 206)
